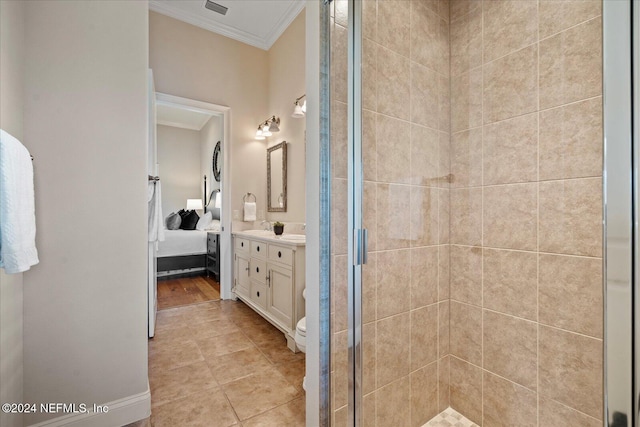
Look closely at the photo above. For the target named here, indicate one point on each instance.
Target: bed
(182, 252)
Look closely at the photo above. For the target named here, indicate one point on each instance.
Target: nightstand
(213, 255)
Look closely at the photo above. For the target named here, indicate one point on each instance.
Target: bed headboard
(215, 212)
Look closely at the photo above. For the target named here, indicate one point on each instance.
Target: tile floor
(450, 418)
(219, 364)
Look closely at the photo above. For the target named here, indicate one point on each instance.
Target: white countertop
(270, 237)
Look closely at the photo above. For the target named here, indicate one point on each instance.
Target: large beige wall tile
(466, 42)
(506, 404)
(466, 155)
(444, 272)
(571, 217)
(339, 216)
(465, 338)
(341, 12)
(444, 103)
(424, 276)
(369, 74)
(424, 96)
(394, 25)
(426, 46)
(556, 16)
(392, 350)
(554, 414)
(444, 214)
(339, 63)
(425, 162)
(443, 328)
(424, 336)
(368, 357)
(571, 65)
(444, 155)
(369, 413)
(424, 216)
(459, 8)
(510, 85)
(510, 216)
(466, 389)
(443, 383)
(466, 100)
(393, 404)
(393, 84)
(393, 164)
(369, 288)
(340, 366)
(510, 348)
(570, 293)
(339, 153)
(393, 216)
(369, 146)
(369, 19)
(510, 151)
(393, 292)
(508, 26)
(424, 394)
(466, 276)
(570, 370)
(571, 141)
(339, 293)
(510, 280)
(466, 216)
(369, 218)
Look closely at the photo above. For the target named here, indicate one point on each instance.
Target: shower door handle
(360, 246)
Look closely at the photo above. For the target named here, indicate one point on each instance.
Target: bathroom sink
(294, 237)
(262, 233)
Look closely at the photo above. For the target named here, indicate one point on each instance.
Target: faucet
(268, 226)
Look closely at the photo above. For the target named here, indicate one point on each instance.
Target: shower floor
(449, 418)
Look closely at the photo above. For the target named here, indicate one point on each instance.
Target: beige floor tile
(293, 372)
(259, 392)
(173, 356)
(291, 414)
(210, 409)
(172, 384)
(223, 344)
(232, 366)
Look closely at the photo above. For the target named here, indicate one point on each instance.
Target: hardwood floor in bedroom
(187, 290)
(219, 364)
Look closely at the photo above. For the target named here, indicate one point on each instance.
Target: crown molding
(226, 30)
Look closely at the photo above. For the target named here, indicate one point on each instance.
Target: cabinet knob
(279, 254)
(242, 244)
(258, 249)
(257, 269)
(258, 293)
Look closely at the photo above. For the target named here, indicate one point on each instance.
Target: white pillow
(214, 225)
(204, 221)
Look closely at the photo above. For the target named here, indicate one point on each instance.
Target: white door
(152, 169)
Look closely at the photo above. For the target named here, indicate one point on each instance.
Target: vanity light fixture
(299, 111)
(266, 128)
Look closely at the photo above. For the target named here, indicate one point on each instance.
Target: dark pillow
(173, 221)
(189, 220)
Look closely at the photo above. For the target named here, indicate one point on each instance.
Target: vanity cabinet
(269, 278)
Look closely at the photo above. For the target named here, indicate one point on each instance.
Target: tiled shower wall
(406, 117)
(483, 289)
(526, 212)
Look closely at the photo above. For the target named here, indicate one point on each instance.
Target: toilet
(301, 339)
(301, 330)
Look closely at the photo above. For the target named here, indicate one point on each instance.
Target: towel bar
(244, 198)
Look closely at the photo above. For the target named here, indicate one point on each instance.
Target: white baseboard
(121, 412)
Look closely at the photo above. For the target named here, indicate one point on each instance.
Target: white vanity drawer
(258, 249)
(259, 294)
(258, 270)
(242, 245)
(281, 254)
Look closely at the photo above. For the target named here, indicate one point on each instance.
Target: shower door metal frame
(621, 211)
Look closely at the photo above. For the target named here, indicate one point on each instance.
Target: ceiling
(255, 22)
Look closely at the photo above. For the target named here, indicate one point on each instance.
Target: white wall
(210, 134)
(85, 304)
(286, 83)
(194, 63)
(11, 294)
(179, 157)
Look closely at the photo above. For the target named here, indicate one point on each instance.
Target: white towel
(154, 197)
(249, 211)
(17, 207)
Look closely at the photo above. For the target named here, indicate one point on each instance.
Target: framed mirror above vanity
(277, 178)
